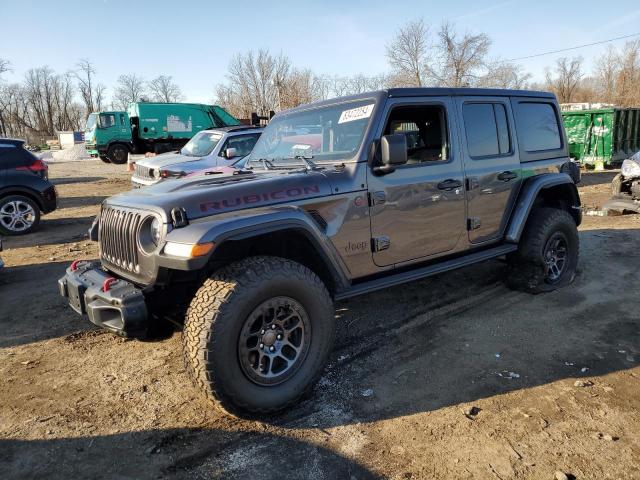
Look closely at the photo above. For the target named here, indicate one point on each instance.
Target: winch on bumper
(110, 303)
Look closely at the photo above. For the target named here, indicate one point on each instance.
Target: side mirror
(230, 153)
(393, 152)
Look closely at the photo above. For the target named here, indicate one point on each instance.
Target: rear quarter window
(538, 128)
(12, 156)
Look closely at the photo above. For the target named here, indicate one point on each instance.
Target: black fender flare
(529, 193)
(263, 221)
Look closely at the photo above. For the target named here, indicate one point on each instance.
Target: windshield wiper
(267, 164)
(309, 165)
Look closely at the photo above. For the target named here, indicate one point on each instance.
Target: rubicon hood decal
(275, 196)
(202, 196)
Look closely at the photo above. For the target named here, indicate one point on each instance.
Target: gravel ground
(451, 377)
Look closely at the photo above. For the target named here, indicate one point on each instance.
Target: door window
(242, 143)
(425, 129)
(487, 130)
(107, 120)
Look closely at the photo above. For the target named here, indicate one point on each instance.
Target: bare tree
(14, 109)
(605, 72)
(39, 90)
(628, 76)
(303, 86)
(503, 74)
(565, 79)
(92, 94)
(163, 89)
(5, 66)
(130, 89)
(256, 82)
(408, 54)
(462, 59)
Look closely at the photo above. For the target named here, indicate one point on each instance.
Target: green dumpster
(605, 136)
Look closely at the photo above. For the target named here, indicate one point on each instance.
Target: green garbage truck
(149, 127)
(604, 136)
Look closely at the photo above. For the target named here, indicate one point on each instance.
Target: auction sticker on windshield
(356, 114)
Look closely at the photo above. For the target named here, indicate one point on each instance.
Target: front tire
(19, 215)
(547, 255)
(118, 154)
(104, 158)
(258, 333)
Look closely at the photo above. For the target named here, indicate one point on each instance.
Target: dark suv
(337, 199)
(25, 190)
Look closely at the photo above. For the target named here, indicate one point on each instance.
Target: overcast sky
(194, 40)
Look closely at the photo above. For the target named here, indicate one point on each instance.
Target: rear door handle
(449, 184)
(507, 176)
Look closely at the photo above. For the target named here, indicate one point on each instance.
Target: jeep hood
(208, 195)
(167, 159)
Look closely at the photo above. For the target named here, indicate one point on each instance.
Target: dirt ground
(76, 402)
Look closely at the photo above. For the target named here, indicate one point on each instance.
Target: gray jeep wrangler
(338, 198)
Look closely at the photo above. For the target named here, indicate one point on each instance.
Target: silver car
(216, 147)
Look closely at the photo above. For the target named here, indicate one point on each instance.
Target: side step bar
(423, 272)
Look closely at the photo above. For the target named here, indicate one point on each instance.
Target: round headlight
(156, 231)
(150, 234)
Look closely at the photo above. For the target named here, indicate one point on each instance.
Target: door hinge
(377, 198)
(380, 243)
(473, 223)
(471, 183)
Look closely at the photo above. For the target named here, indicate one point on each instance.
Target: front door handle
(449, 184)
(507, 176)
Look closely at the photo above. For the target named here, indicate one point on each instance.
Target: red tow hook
(106, 285)
(74, 265)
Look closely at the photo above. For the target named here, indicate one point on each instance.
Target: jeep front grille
(118, 233)
(143, 172)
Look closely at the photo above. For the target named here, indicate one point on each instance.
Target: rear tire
(548, 252)
(104, 158)
(231, 348)
(118, 154)
(19, 215)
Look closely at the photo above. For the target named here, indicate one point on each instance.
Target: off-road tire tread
(212, 305)
(524, 267)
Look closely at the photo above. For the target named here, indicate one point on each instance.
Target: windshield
(91, 122)
(325, 134)
(201, 144)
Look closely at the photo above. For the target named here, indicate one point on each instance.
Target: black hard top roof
(485, 92)
(426, 92)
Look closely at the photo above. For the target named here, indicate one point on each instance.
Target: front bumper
(92, 149)
(121, 309)
(49, 199)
